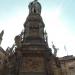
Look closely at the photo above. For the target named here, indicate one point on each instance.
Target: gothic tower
(32, 55)
(34, 26)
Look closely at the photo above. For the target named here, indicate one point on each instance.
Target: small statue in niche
(1, 35)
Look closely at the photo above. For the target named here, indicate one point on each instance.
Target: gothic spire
(34, 25)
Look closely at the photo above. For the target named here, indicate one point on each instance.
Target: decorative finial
(45, 36)
(1, 35)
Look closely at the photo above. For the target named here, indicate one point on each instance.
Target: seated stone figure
(18, 41)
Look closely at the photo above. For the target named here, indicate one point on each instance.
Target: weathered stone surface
(33, 57)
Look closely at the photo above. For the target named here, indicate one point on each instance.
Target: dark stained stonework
(32, 55)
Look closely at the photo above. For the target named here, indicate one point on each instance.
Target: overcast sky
(58, 16)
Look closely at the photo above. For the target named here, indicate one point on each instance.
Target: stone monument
(32, 55)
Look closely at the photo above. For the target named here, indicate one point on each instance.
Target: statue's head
(35, 7)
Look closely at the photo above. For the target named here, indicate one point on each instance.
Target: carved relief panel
(32, 64)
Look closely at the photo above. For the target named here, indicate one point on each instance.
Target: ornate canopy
(35, 7)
